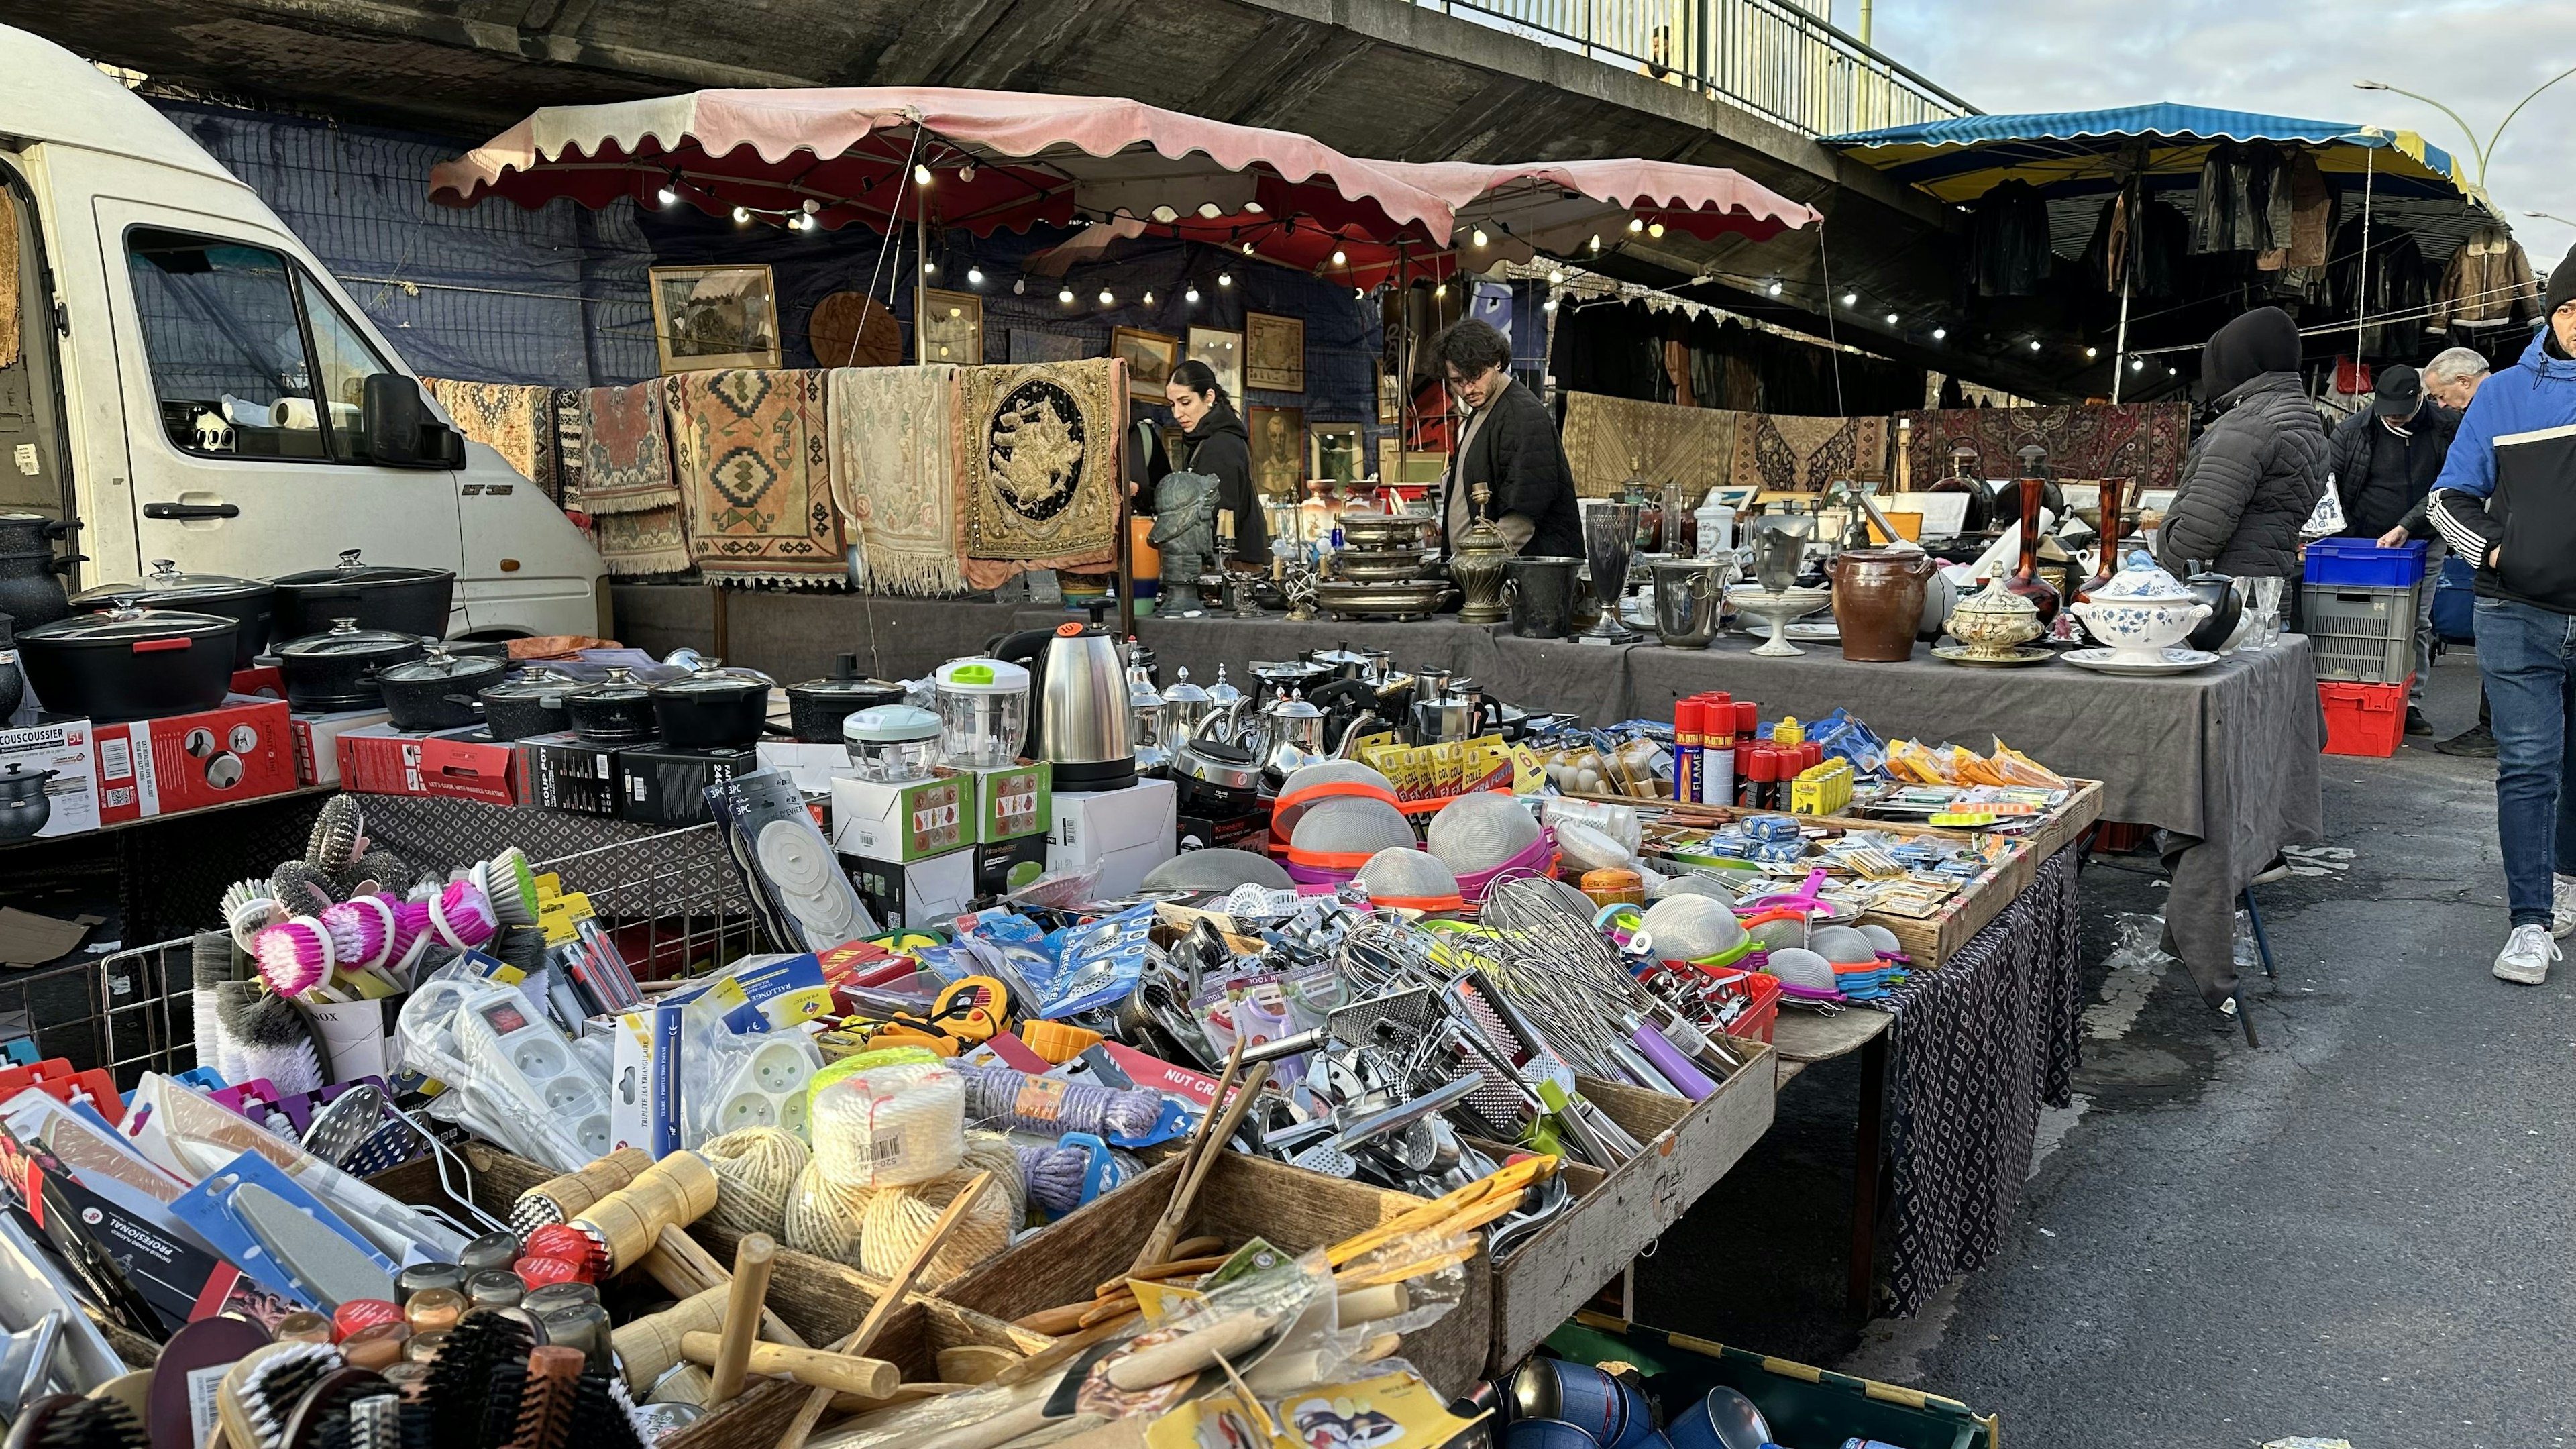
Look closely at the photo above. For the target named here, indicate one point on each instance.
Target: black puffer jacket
(2380, 477)
(2249, 483)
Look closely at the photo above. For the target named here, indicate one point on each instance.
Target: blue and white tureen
(2141, 612)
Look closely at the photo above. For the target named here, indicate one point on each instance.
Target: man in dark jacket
(2383, 461)
(1508, 443)
(2258, 471)
(2507, 498)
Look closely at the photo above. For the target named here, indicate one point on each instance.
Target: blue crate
(2361, 564)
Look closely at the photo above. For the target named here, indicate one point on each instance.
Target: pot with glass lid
(166, 587)
(337, 669)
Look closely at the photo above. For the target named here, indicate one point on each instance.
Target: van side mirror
(399, 430)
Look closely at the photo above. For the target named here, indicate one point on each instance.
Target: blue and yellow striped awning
(2073, 153)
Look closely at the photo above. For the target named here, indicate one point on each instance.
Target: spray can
(1717, 748)
(1688, 715)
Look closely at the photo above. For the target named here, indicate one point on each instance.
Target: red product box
(317, 741)
(471, 766)
(381, 760)
(242, 750)
(261, 681)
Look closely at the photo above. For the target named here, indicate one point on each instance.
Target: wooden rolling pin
(628, 1223)
(752, 1260)
(1200, 1348)
(869, 1378)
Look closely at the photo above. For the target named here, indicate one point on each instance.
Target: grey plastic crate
(2366, 636)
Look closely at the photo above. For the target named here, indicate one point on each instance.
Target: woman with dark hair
(1509, 444)
(1213, 442)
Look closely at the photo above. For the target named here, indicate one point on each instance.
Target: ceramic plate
(2019, 655)
(2176, 661)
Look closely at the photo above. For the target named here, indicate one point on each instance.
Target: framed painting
(706, 318)
(952, 328)
(1150, 358)
(1390, 399)
(1338, 449)
(1274, 352)
(1278, 451)
(1222, 351)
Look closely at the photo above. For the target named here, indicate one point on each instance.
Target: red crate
(2364, 719)
(1764, 991)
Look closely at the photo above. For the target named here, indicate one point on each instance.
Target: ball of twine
(898, 1218)
(890, 1125)
(756, 1170)
(992, 1152)
(823, 1217)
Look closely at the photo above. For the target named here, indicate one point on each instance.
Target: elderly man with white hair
(2451, 379)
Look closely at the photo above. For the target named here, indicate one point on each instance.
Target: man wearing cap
(2383, 460)
(2507, 498)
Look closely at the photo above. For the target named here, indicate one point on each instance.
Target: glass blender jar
(892, 744)
(983, 712)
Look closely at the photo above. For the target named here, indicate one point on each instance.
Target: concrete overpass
(1372, 77)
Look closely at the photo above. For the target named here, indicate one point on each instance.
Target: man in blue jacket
(2507, 498)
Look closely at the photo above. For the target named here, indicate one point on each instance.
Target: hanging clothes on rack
(2234, 208)
(2395, 293)
(2156, 237)
(2487, 283)
(2008, 241)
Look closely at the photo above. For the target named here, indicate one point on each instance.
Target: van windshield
(236, 335)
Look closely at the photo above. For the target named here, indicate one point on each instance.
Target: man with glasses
(1508, 443)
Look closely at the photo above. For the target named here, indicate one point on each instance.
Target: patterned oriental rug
(1038, 453)
(749, 450)
(1611, 439)
(618, 458)
(1791, 454)
(2145, 441)
(893, 433)
(515, 421)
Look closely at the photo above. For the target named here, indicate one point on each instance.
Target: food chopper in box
(983, 711)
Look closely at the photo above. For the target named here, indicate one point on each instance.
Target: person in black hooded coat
(2258, 471)
(1215, 443)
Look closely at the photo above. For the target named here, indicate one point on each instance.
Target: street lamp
(2550, 216)
(2485, 151)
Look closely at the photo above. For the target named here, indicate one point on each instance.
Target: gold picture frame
(1150, 358)
(1222, 351)
(1337, 452)
(952, 328)
(1274, 352)
(705, 318)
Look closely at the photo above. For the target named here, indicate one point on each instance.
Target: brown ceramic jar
(1878, 601)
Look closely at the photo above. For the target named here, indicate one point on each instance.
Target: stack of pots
(246, 601)
(338, 668)
(31, 583)
(394, 597)
(439, 690)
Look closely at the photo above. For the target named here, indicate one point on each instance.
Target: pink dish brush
(411, 936)
(294, 955)
(362, 931)
(462, 915)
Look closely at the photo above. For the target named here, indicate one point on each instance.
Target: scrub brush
(259, 1394)
(362, 932)
(411, 937)
(249, 906)
(339, 835)
(211, 963)
(268, 1038)
(462, 915)
(513, 886)
(523, 947)
(302, 888)
(382, 869)
(66, 1421)
(294, 955)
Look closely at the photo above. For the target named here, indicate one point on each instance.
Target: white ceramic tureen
(2142, 611)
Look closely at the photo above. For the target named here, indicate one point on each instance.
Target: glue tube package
(1002, 1098)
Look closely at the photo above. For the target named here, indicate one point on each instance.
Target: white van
(183, 379)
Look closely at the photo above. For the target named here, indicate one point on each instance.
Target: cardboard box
(1005, 865)
(665, 786)
(565, 772)
(1125, 832)
(260, 681)
(812, 767)
(243, 749)
(471, 765)
(1238, 832)
(877, 821)
(1012, 801)
(378, 759)
(64, 747)
(317, 741)
(924, 892)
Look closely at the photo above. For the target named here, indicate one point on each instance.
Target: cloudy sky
(2281, 58)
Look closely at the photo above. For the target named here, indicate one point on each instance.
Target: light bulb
(1191, 296)
(2170, 372)
(667, 197)
(740, 216)
(1556, 277)
(1940, 332)
(965, 173)
(2137, 364)
(1636, 223)
(1065, 296)
(1596, 241)
(1149, 297)
(1247, 249)
(1655, 229)
(1479, 237)
(1361, 293)
(2034, 344)
(1106, 300)
(1551, 305)
(812, 206)
(1341, 258)
(920, 175)
(2091, 352)
(1851, 299)
(974, 276)
(1225, 279)
(930, 269)
(1891, 319)
(1440, 291)
(1019, 286)
(1775, 289)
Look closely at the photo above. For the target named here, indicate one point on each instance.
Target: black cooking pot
(337, 670)
(530, 702)
(395, 597)
(615, 711)
(23, 806)
(436, 691)
(31, 577)
(129, 664)
(816, 708)
(167, 588)
(713, 709)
